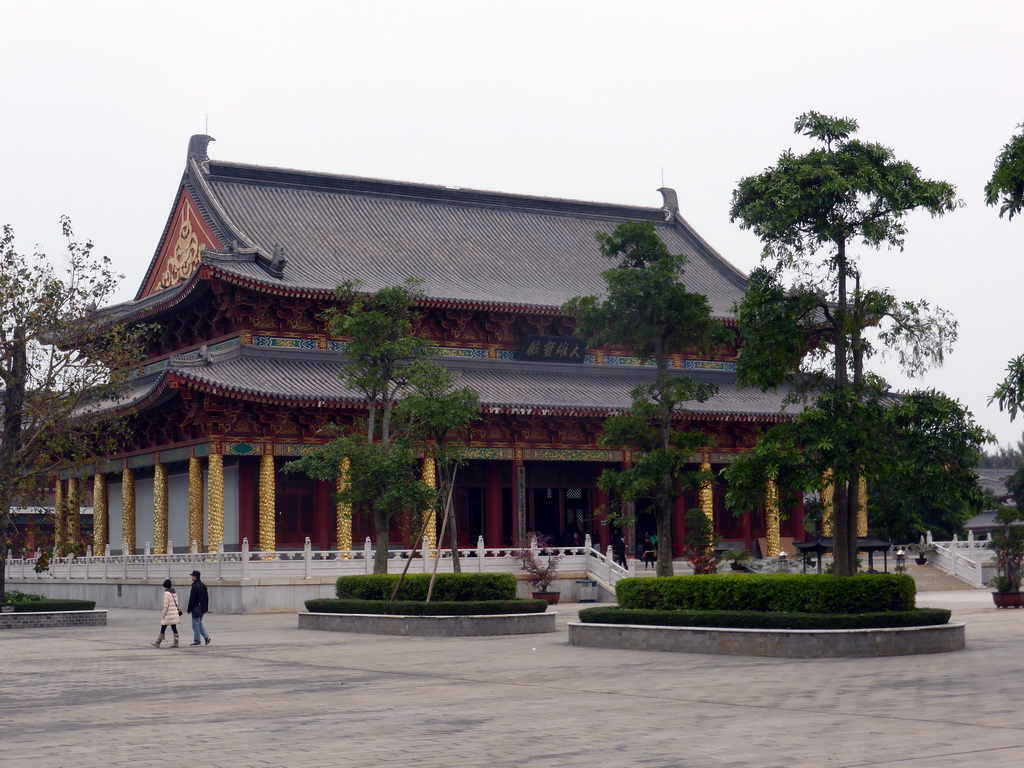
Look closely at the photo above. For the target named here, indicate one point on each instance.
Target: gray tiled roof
(467, 245)
(301, 375)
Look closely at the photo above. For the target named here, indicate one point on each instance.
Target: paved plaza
(265, 693)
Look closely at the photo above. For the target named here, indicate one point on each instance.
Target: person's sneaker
(195, 643)
(208, 640)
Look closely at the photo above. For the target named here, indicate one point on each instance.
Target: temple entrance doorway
(294, 509)
(561, 514)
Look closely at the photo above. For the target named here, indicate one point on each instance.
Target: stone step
(928, 578)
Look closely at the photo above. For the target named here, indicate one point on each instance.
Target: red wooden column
(797, 518)
(248, 500)
(492, 522)
(322, 515)
(678, 525)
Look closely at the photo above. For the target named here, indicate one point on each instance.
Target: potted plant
(1008, 544)
(922, 553)
(540, 561)
(737, 559)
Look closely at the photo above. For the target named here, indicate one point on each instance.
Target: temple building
(242, 373)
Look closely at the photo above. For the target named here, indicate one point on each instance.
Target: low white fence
(306, 563)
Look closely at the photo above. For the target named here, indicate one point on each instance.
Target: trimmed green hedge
(412, 608)
(47, 606)
(449, 587)
(919, 617)
(772, 593)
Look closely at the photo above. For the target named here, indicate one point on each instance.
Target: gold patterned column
(268, 533)
(215, 498)
(128, 511)
(60, 518)
(862, 507)
(429, 515)
(195, 503)
(827, 512)
(771, 520)
(343, 513)
(160, 509)
(705, 494)
(73, 504)
(99, 514)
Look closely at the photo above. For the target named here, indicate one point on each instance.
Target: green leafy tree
(648, 308)
(439, 412)
(924, 479)
(1006, 187)
(385, 362)
(1003, 457)
(57, 359)
(809, 306)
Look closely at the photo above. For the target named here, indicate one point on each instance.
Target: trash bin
(588, 590)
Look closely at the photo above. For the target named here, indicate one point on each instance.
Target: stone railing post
(307, 556)
(106, 559)
(145, 561)
(220, 558)
(427, 554)
(88, 559)
(367, 556)
(608, 556)
(193, 551)
(170, 556)
(245, 558)
(480, 554)
(124, 560)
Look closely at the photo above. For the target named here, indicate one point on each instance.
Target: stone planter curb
(783, 643)
(431, 626)
(29, 620)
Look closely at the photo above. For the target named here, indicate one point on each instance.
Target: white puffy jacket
(170, 614)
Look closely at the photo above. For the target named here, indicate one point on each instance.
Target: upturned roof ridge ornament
(670, 202)
(202, 356)
(197, 145)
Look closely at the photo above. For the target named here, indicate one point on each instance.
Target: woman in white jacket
(170, 616)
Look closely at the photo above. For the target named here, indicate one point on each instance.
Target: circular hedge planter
(437, 619)
(758, 633)
(783, 643)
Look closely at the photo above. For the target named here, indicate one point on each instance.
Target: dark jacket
(198, 599)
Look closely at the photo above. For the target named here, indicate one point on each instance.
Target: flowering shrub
(540, 560)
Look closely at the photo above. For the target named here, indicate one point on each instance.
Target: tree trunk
(844, 548)
(10, 439)
(5, 531)
(663, 565)
(381, 529)
(453, 538)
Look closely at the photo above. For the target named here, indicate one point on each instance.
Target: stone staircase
(930, 579)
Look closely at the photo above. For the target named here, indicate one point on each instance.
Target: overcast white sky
(587, 100)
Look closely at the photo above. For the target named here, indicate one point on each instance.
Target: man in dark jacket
(198, 606)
